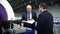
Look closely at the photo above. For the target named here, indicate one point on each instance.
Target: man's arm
(40, 22)
(34, 16)
(23, 18)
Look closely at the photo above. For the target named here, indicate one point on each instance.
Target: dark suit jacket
(24, 17)
(45, 23)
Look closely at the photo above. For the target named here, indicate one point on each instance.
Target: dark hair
(28, 4)
(43, 5)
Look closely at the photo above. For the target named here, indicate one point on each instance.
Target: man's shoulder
(45, 13)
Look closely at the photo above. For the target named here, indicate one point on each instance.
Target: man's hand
(32, 20)
(23, 20)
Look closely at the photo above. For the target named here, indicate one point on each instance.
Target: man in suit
(44, 21)
(29, 15)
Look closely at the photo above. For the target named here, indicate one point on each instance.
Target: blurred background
(19, 6)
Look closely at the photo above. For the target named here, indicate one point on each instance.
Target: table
(27, 32)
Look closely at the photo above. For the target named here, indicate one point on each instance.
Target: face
(40, 8)
(29, 8)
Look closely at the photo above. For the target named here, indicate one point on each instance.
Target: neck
(43, 10)
(29, 12)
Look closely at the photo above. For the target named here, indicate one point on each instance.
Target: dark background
(19, 5)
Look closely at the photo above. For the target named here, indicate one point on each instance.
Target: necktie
(28, 16)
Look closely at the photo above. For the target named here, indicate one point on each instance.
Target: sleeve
(40, 22)
(23, 17)
(35, 17)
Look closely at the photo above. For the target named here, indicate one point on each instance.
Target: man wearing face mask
(44, 21)
(29, 15)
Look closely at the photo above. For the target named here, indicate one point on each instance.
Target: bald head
(29, 8)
